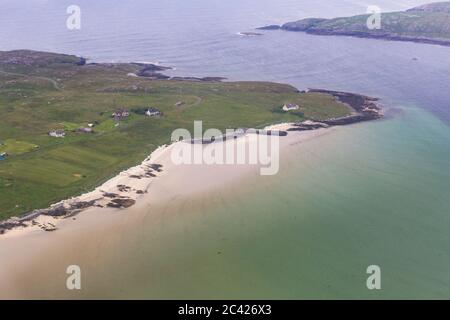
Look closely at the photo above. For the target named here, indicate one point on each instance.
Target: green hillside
(428, 23)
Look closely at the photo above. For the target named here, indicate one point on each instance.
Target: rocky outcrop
(364, 109)
(307, 126)
(121, 203)
(270, 27)
(153, 72)
(239, 133)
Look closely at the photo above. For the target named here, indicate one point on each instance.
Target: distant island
(428, 23)
(68, 125)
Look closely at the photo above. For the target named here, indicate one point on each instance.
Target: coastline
(121, 192)
(363, 35)
(126, 189)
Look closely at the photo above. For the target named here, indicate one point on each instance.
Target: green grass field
(46, 92)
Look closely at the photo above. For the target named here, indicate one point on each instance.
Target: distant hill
(428, 23)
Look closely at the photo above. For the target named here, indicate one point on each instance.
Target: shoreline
(120, 192)
(361, 35)
(131, 187)
(127, 188)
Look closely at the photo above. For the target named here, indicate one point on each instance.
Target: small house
(290, 106)
(57, 134)
(152, 112)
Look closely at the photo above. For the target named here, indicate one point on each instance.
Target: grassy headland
(429, 23)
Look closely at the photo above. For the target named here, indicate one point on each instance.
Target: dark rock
(113, 205)
(110, 195)
(156, 167)
(57, 211)
(270, 27)
(121, 203)
(123, 188)
(82, 205)
(365, 107)
(154, 68)
(152, 71)
(250, 34)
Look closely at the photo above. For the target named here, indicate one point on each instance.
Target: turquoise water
(370, 194)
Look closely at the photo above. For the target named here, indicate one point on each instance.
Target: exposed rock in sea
(270, 27)
(153, 71)
(250, 34)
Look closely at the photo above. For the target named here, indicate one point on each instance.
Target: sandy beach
(28, 246)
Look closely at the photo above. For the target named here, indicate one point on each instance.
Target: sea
(370, 194)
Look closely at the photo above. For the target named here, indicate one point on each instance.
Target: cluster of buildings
(118, 115)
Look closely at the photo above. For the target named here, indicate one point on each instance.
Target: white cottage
(290, 107)
(152, 112)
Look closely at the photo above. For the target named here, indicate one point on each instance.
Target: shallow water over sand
(342, 201)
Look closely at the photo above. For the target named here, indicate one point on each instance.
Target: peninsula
(69, 126)
(428, 23)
